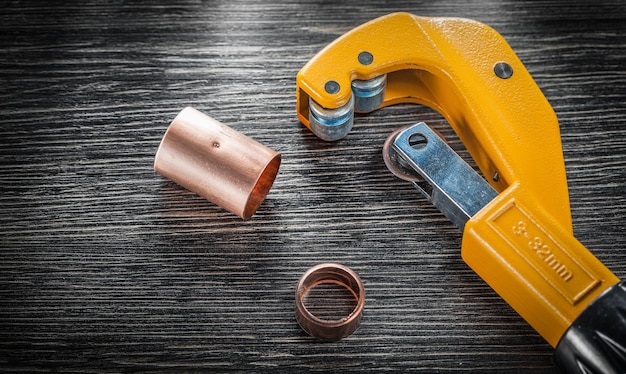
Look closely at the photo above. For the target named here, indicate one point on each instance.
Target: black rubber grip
(596, 341)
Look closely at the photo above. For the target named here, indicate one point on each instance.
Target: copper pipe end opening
(262, 187)
(217, 162)
(329, 329)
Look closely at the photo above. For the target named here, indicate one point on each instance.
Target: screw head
(365, 58)
(418, 141)
(503, 70)
(332, 87)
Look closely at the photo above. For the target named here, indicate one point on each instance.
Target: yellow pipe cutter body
(520, 240)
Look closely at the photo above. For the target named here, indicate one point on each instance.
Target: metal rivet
(503, 70)
(496, 177)
(332, 87)
(366, 58)
(418, 141)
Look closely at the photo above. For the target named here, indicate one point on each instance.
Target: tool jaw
(449, 65)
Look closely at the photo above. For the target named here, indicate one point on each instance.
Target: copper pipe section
(217, 162)
(323, 328)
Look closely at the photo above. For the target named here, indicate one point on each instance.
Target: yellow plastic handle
(521, 243)
(533, 263)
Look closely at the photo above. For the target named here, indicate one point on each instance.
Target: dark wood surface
(105, 266)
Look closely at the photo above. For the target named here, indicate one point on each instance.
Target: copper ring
(329, 329)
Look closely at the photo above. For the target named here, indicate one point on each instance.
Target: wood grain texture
(105, 266)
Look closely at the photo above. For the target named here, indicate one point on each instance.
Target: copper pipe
(323, 328)
(217, 162)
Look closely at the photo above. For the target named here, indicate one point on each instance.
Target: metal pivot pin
(217, 162)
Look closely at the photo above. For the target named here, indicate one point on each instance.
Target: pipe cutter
(516, 222)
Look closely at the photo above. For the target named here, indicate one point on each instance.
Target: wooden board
(105, 266)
